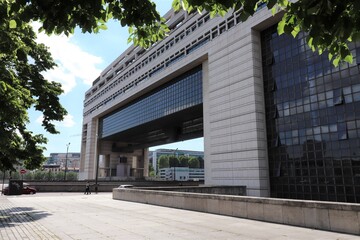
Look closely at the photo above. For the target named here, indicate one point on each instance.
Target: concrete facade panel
(213, 206)
(255, 211)
(316, 218)
(239, 209)
(293, 215)
(347, 223)
(225, 207)
(273, 213)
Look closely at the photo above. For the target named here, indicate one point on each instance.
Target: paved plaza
(98, 216)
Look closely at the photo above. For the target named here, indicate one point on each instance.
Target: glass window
(155, 104)
(318, 109)
(342, 131)
(338, 96)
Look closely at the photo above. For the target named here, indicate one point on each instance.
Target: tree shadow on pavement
(13, 216)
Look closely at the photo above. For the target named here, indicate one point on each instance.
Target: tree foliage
(173, 161)
(72, 176)
(41, 175)
(330, 24)
(151, 171)
(163, 161)
(183, 161)
(23, 86)
(57, 16)
(194, 162)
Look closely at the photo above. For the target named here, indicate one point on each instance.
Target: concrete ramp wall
(329, 216)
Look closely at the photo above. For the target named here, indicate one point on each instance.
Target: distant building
(58, 161)
(55, 168)
(182, 174)
(154, 156)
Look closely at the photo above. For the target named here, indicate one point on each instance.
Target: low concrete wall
(223, 190)
(70, 186)
(329, 216)
(79, 186)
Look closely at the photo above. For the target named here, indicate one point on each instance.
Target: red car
(25, 190)
(28, 190)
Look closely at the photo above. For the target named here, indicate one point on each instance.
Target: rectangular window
(342, 131)
(338, 96)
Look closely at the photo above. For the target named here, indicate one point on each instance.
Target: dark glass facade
(313, 121)
(181, 93)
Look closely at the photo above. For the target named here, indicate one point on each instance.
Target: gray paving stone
(69, 216)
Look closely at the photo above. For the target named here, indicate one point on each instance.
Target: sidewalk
(16, 223)
(98, 216)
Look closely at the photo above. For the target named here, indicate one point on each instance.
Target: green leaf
(336, 61)
(273, 11)
(295, 31)
(103, 27)
(185, 4)
(176, 5)
(12, 24)
(320, 50)
(310, 41)
(281, 26)
(330, 56)
(153, 38)
(349, 58)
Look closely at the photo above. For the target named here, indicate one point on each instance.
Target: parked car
(25, 190)
(28, 190)
(126, 186)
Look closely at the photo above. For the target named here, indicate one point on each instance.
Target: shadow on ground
(13, 216)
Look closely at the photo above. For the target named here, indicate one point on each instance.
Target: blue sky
(81, 58)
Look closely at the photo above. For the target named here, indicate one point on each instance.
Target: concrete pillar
(234, 114)
(89, 150)
(146, 162)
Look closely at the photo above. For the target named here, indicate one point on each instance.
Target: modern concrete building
(275, 117)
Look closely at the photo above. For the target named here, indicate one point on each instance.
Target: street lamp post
(66, 158)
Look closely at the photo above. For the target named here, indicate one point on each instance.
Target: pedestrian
(87, 188)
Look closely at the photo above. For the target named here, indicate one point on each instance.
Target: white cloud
(73, 62)
(61, 75)
(68, 121)
(39, 119)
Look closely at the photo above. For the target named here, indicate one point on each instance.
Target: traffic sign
(22, 171)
